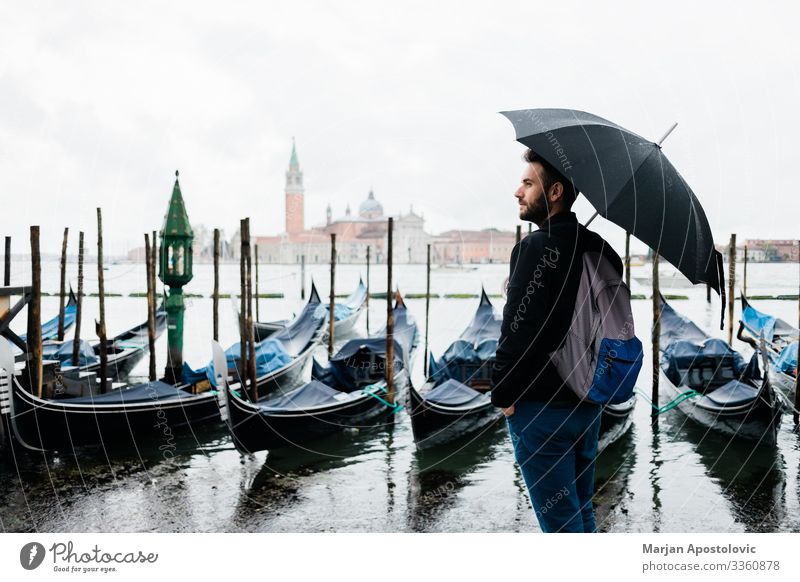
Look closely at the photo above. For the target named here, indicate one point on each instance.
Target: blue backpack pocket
(618, 366)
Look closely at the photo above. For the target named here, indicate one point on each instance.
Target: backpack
(600, 356)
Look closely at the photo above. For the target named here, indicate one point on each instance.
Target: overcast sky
(101, 102)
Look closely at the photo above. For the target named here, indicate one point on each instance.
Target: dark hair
(551, 176)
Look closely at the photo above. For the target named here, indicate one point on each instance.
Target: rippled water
(673, 477)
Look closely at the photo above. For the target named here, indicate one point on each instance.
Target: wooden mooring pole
(100, 326)
(34, 339)
(368, 250)
(302, 277)
(7, 263)
(427, 309)
(331, 305)
(243, 335)
(628, 259)
(744, 272)
(656, 339)
(151, 300)
(389, 317)
(63, 291)
(797, 368)
(242, 368)
(731, 285)
(258, 314)
(249, 323)
(215, 294)
(519, 233)
(76, 339)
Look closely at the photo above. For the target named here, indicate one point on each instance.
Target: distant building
(764, 250)
(489, 245)
(353, 233)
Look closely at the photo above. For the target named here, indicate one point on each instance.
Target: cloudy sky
(100, 102)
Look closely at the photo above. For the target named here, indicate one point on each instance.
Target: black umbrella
(630, 182)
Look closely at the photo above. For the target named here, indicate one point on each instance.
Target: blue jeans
(556, 448)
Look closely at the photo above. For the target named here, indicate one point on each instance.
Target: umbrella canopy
(630, 182)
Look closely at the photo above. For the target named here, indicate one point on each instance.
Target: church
(354, 233)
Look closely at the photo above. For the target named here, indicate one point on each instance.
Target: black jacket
(542, 287)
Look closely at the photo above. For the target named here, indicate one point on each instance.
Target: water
(675, 478)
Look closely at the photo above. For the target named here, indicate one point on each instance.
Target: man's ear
(556, 192)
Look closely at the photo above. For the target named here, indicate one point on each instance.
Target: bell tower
(295, 221)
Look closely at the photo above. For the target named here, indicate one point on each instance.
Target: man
(553, 432)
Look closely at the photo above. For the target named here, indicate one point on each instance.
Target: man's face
(531, 196)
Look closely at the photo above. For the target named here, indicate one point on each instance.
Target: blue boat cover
(759, 323)
(346, 370)
(787, 359)
(274, 352)
(270, 356)
(476, 345)
(309, 395)
(773, 328)
(156, 391)
(675, 327)
(734, 393)
(50, 327)
(459, 354)
(485, 323)
(340, 311)
(454, 393)
(682, 354)
(63, 352)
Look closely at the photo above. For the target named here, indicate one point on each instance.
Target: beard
(535, 211)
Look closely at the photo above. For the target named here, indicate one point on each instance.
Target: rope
(672, 403)
(370, 391)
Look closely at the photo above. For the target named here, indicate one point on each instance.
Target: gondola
(282, 357)
(150, 411)
(58, 420)
(350, 392)
(124, 351)
(713, 384)
(780, 340)
(346, 315)
(453, 403)
(615, 421)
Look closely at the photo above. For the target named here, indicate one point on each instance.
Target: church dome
(370, 208)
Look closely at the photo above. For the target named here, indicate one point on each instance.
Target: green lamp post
(175, 271)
